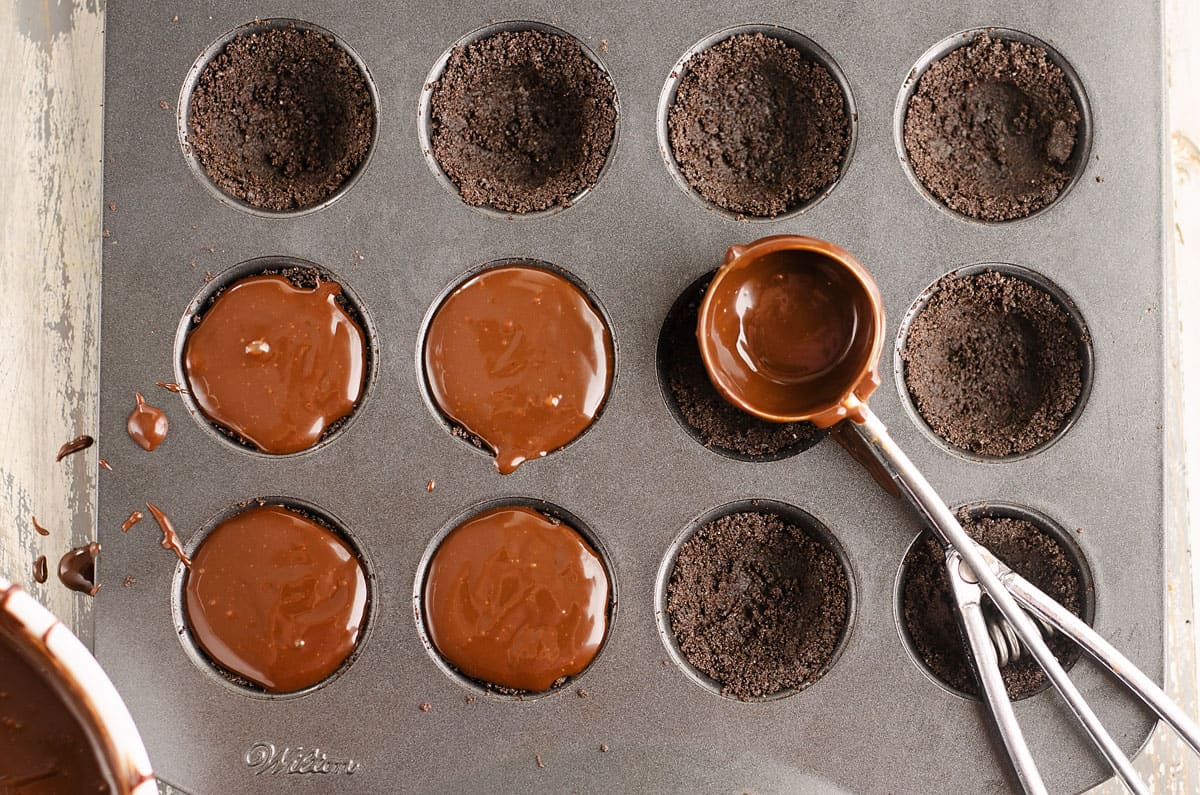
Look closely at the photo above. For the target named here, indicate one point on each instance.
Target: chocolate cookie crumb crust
(993, 364)
(522, 121)
(281, 119)
(928, 611)
(756, 127)
(991, 129)
(757, 603)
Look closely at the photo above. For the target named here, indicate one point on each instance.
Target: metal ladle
(828, 384)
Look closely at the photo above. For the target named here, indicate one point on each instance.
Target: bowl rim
(55, 642)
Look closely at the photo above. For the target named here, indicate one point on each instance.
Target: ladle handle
(921, 495)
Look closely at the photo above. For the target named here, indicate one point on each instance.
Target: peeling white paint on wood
(51, 84)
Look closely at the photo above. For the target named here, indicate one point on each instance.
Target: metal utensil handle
(1067, 623)
(987, 667)
(923, 497)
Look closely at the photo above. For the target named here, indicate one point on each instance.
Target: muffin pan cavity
(994, 361)
(289, 581)
(278, 117)
(757, 122)
(296, 357)
(530, 634)
(1035, 547)
(993, 125)
(700, 410)
(754, 600)
(518, 119)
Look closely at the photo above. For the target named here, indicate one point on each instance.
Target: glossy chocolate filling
(276, 365)
(788, 332)
(519, 357)
(275, 598)
(516, 599)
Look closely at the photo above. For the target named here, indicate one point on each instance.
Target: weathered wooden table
(51, 85)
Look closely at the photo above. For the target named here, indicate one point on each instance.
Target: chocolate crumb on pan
(757, 604)
(993, 364)
(522, 121)
(713, 421)
(756, 127)
(281, 119)
(928, 610)
(991, 128)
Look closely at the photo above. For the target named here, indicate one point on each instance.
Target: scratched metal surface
(636, 478)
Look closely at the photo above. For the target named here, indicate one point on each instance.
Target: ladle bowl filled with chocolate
(63, 727)
(791, 329)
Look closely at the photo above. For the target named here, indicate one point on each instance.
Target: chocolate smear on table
(77, 569)
(74, 446)
(40, 574)
(40, 530)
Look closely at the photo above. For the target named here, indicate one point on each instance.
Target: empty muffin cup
(754, 600)
(278, 117)
(518, 118)
(1034, 547)
(994, 361)
(514, 598)
(276, 598)
(276, 355)
(993, 124)
(757, 121)
(700, 410)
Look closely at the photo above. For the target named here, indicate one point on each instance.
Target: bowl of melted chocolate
(63, 727)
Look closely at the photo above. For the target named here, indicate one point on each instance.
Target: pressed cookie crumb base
(757, 604)
(281, 119)
(991, 129)
(993, 364)
(928, 606)
(756, 128)
(522, 121)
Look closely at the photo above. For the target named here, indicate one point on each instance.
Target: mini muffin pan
(398, 719)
